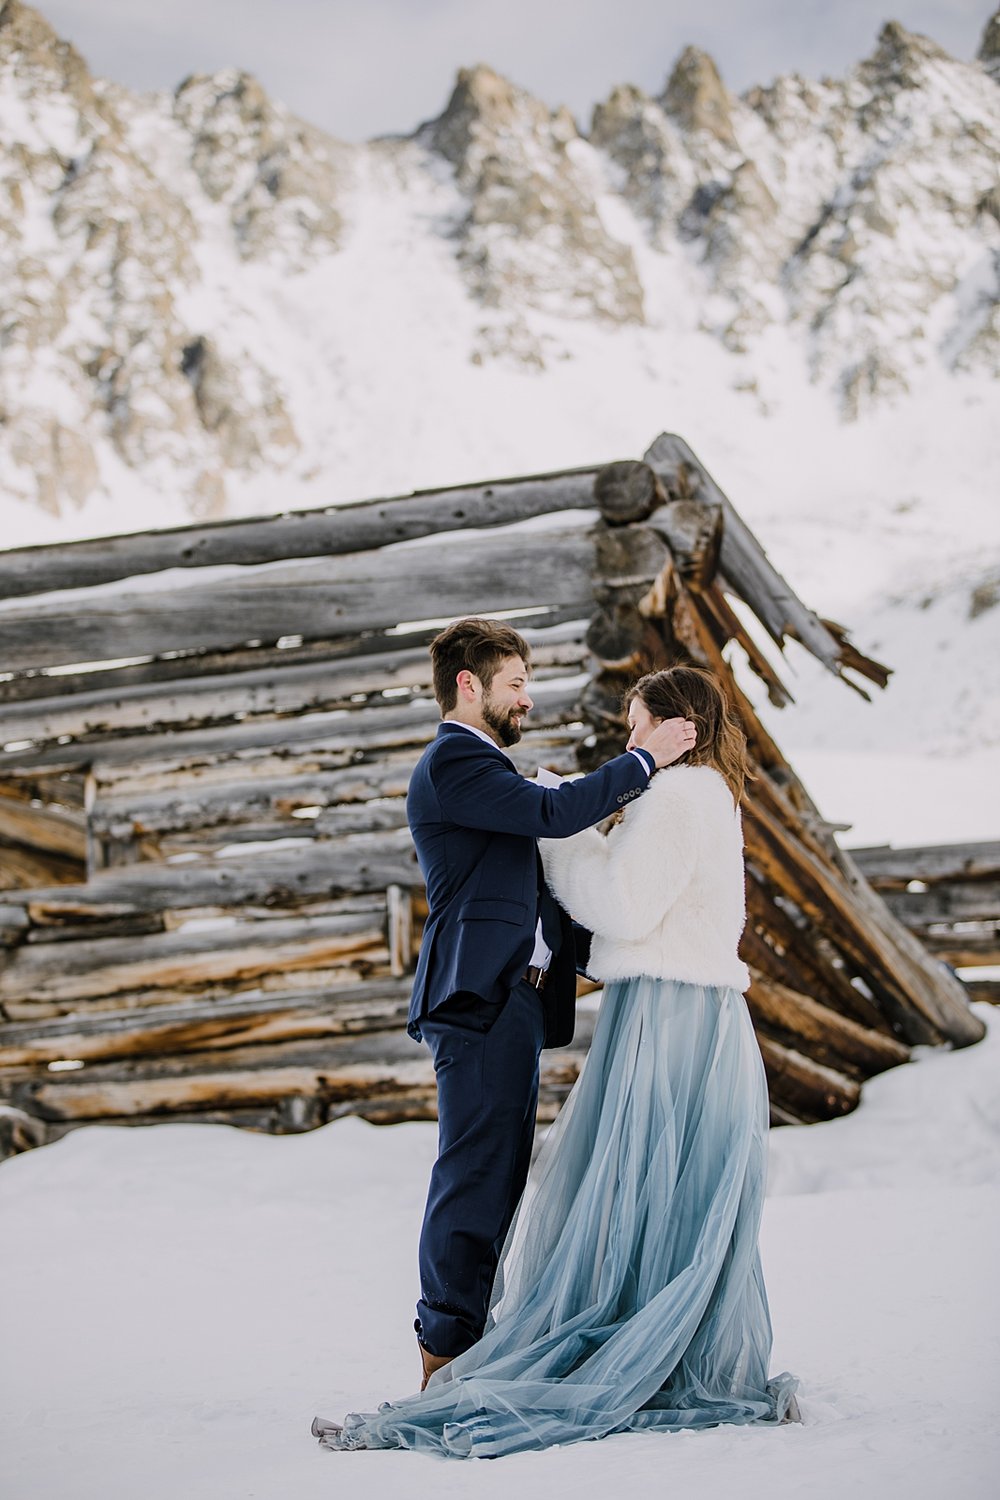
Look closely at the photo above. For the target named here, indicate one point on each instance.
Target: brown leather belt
(535, 976)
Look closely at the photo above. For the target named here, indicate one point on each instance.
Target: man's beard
(501, 722)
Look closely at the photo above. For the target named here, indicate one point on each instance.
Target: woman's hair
(477, 646)
(692, 693)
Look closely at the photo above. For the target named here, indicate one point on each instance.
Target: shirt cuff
(645, 760)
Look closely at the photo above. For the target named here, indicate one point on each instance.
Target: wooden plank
(13, 925)
(924, 1002)
(329, 532)
(536, 623)
(964, 901)
(286, 878)
(380, 725)
(829, 1038)
(748, 570)
(22, 869)
(984, 989)
(811, 1091)
(314, 599)
(399, 910)
(54, 830)
(68, 973)
(222, 805)
(236, 1021)
(276, 691)
(965, 949)
(334, 1069)
(887, 868)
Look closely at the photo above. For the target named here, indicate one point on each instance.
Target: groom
(496, 976)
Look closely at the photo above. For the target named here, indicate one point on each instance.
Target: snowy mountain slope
(212, 308)
(202, 290)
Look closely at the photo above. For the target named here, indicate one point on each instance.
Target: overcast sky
(362, 68)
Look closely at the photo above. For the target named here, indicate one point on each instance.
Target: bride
(629, 1295)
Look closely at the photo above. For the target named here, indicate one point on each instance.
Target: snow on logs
(209, 903)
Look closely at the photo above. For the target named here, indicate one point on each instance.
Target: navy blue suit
(475, 820)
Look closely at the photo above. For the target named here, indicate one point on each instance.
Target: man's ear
(468, 683)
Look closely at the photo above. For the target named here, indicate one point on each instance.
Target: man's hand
(670, 740)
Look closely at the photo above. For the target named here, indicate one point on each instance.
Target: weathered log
(132, 925)
(312, 599)
(966, 901)
(287, 878)
(831, 1039)
(626, 561)
(729, 626)
(616, 634)
(965, 949)
(627, 491)
(987, 990)
(692, 530)
(410, 722)
(20, 1131)
(13, 926)
(53, 830)
(537, 624)
(337, 821)
(399, 913)
(330, 532)
(68, 973)
(924, 1002)
(335, 1070)
(149, 1002)
(752, 576)
(155, 708)
(808, 1090)
(886, 868)
(799, 957)
(224, 806)
(237, 1021)
(22, 868)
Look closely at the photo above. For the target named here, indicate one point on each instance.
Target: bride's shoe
(793, 1412)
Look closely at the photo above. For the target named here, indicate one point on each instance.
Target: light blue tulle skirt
(629, 1295)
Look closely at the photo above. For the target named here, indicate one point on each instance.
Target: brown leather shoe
(431, 1362)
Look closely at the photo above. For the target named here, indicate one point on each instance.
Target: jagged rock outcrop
(859, 212)
(180, 271)
(989, 47)
(279, 178)
(697, 98)
(532, 236)
(97, 255)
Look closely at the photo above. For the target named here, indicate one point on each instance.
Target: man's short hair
(477, 646)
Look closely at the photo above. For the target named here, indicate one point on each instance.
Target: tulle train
(629, 1294)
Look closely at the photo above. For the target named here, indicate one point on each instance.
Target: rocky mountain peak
(696, 97)
(989, 47)
(39, 57)
(899, 58)
(532, 235)
(485, 106)
(279, 177)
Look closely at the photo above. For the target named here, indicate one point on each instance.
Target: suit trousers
(486, 1063)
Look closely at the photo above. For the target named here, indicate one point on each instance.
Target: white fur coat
(663, 893)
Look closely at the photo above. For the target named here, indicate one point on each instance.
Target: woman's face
(641, 724)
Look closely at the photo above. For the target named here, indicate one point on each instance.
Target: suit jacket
(474, 820)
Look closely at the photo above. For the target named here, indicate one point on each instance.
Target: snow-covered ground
(177, 1303)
